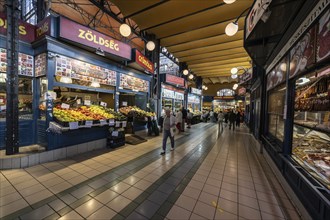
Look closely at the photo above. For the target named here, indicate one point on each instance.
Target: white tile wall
(33, 159)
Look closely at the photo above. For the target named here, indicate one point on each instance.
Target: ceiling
(192, 30)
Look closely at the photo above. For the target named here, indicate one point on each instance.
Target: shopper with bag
(169, 130)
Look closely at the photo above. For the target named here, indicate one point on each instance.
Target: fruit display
(136, 112)
(118, 116)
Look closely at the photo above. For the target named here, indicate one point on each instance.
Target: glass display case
(311, 136)
(276, 112)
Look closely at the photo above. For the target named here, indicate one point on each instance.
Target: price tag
(103, 122)
(146, 118)
(78, 101)
(88, 123)
(111, 122)
(104, 104)
(65, 106)
(117, 124)
(115, 133)
(73, 125)
(3, 107)
(87, 102)
(155, 118)
(124, 123)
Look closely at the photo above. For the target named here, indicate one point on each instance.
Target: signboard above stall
(83, 35)
(168, 93)
(278, 74)
(193, 99)
(179, 96)
(246, 76)
(167, 66)
(139, 61)
(25, 30)
(175, 80)
(196, 91)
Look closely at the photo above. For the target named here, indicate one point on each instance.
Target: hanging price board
(78, 101)
(111, 122)
(73, 125)
(146, 118)
(104, 104)
(65, 106)
(115, 133)
(124, 123)
(87, 102)
(88, 123)
(117, 124)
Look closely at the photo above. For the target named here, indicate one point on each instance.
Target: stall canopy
(269, 25)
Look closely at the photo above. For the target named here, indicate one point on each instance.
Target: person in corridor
(178, 119)
(168, 126)
(232, 119)
(221, 117)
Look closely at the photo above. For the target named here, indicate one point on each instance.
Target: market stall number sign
(86, 36)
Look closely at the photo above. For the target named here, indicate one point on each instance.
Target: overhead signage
(193, 99)
(174, 80)
(277, 75)
(25, 30)
(245, 77)
(323, 38)
(256, 12)
(224, 97)
(312, 16)
(83, 35)
(179, 96)
(43, 28)
(168, 93)
(143, 61)
(196, 91)
(167, 66)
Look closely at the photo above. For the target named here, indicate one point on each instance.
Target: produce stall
(194, 99)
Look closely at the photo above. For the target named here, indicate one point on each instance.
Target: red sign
(174, 80)
(43, 28)
(143, 61)
(25, 30)
(86, 36)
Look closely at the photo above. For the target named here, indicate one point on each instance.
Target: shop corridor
(209, 175)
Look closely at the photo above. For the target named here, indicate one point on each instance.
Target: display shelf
(311, 150)
(316, 127)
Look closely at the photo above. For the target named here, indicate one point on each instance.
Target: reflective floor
(209, 175)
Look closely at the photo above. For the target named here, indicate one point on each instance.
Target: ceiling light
(231, 28)
(283, 67)
(185, 72)
(150, 45)
(302, 81)
(164, 50)
(229, 1)
(203, 87)
(234, 70)
(65, 79)
(95, 84)
(234, 88)
(236, 85)
(234, 76)
(125, 30)
(177, 60)
(206, 88)
(191, 76)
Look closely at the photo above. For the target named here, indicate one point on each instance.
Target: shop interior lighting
(150, 45)
(191, 76)
(232, 27)
(229, 1)
(125, 30)
(302, 81)
(236, 85)
(164, 50)
(66, 79)
(95, 84)
(185, 72)
(283, 67)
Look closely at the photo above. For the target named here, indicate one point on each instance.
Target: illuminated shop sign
(174, 80)
(143, 61)
(196, 91)
(86, 36)
(25, 30)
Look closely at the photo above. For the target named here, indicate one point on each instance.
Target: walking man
(168, 126)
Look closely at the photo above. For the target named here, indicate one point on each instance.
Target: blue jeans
(166, 134)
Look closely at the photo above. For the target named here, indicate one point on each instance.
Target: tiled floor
(209, 175)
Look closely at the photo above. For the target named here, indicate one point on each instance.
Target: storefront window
(276, 112)
(311, 131)
(24, 98)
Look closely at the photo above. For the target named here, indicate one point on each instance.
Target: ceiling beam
(221, 66)
(218, 58)
(214, 63)
(227, 51)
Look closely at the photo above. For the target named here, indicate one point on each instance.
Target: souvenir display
(25, 63)
(40, 64)
(133, 83)
(83, 71)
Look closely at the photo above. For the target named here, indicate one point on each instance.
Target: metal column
(12, 139)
